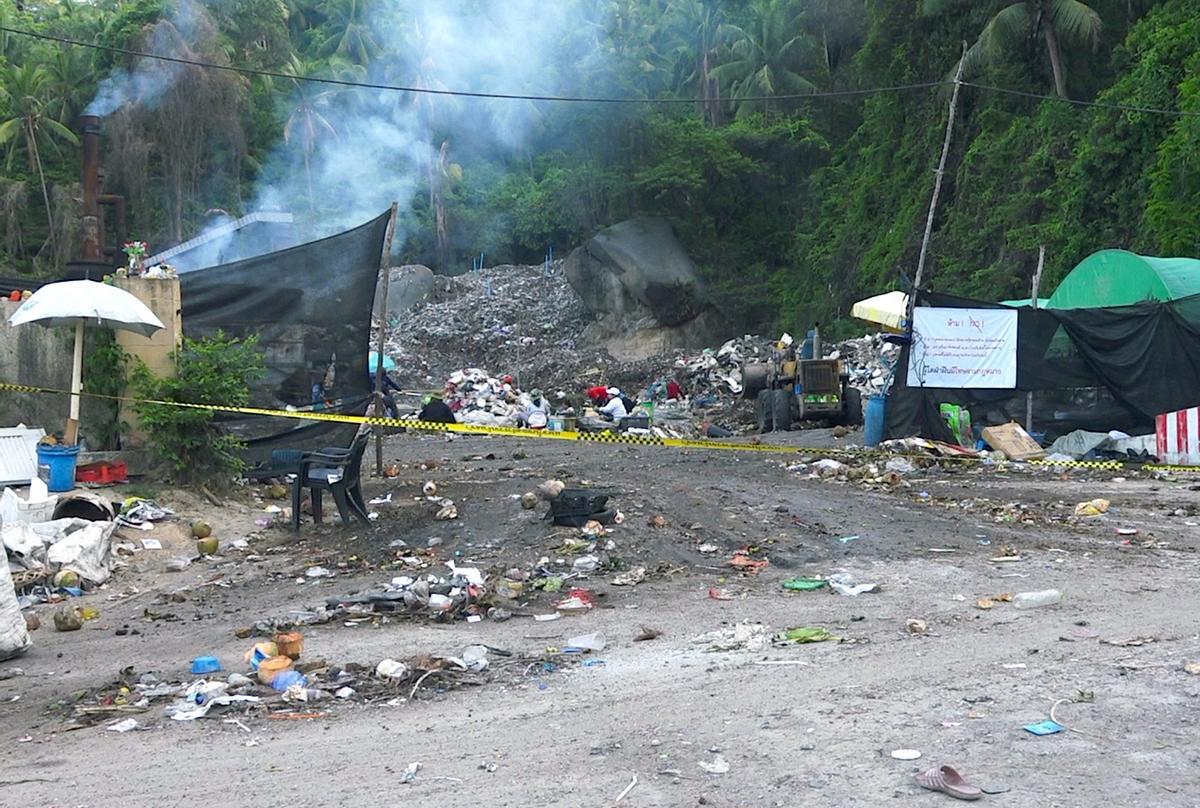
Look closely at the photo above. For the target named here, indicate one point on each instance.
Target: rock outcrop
(644, 290)
(407, 286)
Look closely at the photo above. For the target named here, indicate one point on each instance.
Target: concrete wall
(40, 357)
(163, 298)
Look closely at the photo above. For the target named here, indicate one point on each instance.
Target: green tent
(1121, 278)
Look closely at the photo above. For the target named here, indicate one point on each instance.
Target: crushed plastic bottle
(1032, 600)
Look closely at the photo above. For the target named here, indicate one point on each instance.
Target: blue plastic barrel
(875, 419)
(60, 460)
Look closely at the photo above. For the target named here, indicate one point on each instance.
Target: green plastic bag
(805, 634)
(805, 584)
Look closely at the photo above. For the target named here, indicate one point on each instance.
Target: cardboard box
(1013, 441)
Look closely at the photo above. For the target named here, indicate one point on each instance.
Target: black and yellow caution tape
(429, 426)
(585, 437)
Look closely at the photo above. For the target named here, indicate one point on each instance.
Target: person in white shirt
(615, 408)
(536, 413)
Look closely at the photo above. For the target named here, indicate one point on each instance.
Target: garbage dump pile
(524, 319)
(473, 331)
(870, 362)
(713, 377)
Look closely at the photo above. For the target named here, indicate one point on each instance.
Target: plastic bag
(14, 636)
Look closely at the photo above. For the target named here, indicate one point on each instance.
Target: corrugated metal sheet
(18, 454)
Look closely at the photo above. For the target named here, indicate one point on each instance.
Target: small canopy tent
(887, 310)
(1120, 278)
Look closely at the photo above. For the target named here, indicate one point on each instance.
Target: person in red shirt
(598, 394)
(674, 390)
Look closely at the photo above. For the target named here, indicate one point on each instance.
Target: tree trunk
(308, 177)
(37, 161)
(1056, 59)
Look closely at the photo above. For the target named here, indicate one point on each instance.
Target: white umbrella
(80, 303)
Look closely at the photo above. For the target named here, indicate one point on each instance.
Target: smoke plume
(350, 152)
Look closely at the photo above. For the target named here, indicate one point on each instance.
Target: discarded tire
(781, 408)
(764, 411)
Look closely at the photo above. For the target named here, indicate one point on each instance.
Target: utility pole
(937, 187)
(385, 261)
(1033, 301)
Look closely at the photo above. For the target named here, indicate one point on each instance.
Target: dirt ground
(811, 724)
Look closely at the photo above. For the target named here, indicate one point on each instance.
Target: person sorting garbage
(433, 409)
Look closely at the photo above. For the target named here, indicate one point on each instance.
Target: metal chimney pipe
(92, 238)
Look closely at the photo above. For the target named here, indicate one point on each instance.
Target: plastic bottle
(1032, 600)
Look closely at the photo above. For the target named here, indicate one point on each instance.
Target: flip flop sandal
(948, 781)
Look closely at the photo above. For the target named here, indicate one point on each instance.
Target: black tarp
(311, 307)
(1094, 369)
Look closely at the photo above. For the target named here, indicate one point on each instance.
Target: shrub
(214, 370)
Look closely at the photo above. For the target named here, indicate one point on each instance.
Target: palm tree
(30, 125)
(703, 30)
(1056, 21)
(307, 123)
(767, 56)
(68, 75)
(350, 37)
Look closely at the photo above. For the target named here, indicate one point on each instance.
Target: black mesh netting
(1093, 369)
(311, 307)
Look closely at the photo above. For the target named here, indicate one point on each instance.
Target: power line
(1098, 104)
(250, 71)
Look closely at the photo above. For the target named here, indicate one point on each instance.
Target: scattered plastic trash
(586, 563)
(915, 627)
(204, 665)
(805, 584)
(474, 658)
(848, 539)
(843, 584)
(1093, 507)
(718, 765)
(123, 726)
(577, 600)
(1046, 727)
(287, 679)
(410, 773)
(318, 572)
(906, 754)
(391, 669)
(804, 634)
(136, 512)
(1127, 531)
(586, 642)
(745, 635)
(719, 594)
(630, 577)
(1033, 600)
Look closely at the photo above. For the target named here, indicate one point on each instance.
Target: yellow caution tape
(469, 429)
(583, 437)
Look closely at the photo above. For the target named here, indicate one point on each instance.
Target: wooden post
(1033, 301)
(937, 188)
(71, 434)
(385, 260)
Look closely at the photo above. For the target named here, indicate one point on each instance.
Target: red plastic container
(102, 473)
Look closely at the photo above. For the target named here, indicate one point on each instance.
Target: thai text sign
(963, 348)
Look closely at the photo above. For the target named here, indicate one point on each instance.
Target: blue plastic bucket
(875, 420)
(59, 461)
